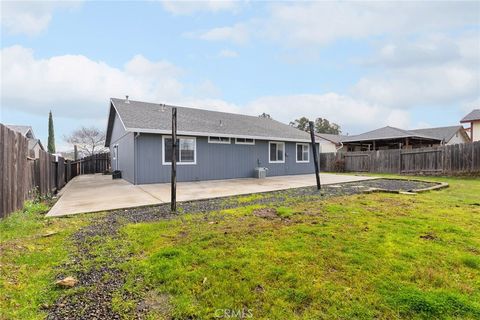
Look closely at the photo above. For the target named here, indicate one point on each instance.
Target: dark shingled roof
(387, 133)
(441, 133)
(145, 117)
(472, 116)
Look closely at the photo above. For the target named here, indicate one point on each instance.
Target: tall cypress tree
(51, 134)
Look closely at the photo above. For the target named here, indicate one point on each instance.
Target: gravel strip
(92, 297)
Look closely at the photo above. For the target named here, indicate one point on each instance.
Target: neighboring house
(212, 145)
(395, 138)
(330, 142)
(474, 119)
(34, 144)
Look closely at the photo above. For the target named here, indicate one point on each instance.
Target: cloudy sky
(360, 64)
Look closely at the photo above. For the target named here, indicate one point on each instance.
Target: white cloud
(237, 34)
(420, 86)
(207, 89)
(190, 7)
(320, 23)
(353, 115)
(430, 71)
(433, 49)
(75, 86)
(31, 17)
(226, 53)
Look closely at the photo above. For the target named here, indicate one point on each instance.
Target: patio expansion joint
(151, 194)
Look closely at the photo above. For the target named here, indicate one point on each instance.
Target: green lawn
(363, 256)
(31, 247)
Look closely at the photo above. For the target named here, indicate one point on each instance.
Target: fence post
(399, 161)
(56, 176)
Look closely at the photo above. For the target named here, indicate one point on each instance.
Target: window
(224, 140)
(186, 151)
(276, 152)
(303, 152)
(244, 141)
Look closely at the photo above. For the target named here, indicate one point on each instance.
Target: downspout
(137, 134)
(341, 146)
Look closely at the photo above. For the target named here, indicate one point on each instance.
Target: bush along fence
(25, 177)
(454, 159)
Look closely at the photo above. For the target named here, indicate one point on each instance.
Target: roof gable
(25, 131)
(138, 116)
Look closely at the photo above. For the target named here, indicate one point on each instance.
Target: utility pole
(315, 155)
(174, 161)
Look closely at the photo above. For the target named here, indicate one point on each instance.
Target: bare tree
(88, 140)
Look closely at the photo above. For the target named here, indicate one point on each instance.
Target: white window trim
(219, 142)
(169, 163)
(249, 143)
(276, 142)
(308, 152)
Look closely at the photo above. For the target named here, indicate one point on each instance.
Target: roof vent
(221, 123)
(162, 107)
(126, 99)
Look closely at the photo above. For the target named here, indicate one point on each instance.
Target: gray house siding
(125, 151)
(213, 161)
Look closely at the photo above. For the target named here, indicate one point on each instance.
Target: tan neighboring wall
(476, 131)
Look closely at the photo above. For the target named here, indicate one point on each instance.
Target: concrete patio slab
(97, 192)
(92, 193)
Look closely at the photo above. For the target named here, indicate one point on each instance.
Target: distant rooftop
(25, 131)
(335, 138)
(387, 133)
(472, 116)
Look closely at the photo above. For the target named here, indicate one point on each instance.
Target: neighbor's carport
(96, 192)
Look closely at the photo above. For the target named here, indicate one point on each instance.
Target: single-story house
(395, 138)
(34, 144)
(212, 145)
(474, 119)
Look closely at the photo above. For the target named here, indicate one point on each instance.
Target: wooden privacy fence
(450, 159)
(23, 176)
(15, 170)
(97, 163)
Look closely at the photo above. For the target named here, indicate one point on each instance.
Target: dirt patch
(158, 304)
(429, 236)
(266, 213)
